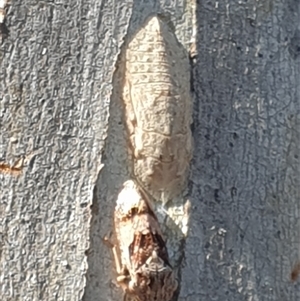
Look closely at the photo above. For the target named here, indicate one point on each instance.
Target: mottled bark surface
(244, 226)
(55, 81)
(59, 96)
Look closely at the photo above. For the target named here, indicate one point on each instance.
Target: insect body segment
(158, 103)
(141, 256)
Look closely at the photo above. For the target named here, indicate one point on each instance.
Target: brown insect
(141, 257)
(295, 272)
(14, 170)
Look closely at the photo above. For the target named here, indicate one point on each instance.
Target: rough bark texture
(244, 227)
(59, 96)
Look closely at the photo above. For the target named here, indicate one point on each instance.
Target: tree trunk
(60, 107)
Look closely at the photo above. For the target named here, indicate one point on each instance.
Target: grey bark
(56, 97)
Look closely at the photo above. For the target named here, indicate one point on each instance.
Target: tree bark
(59, 100)
(244, 226)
